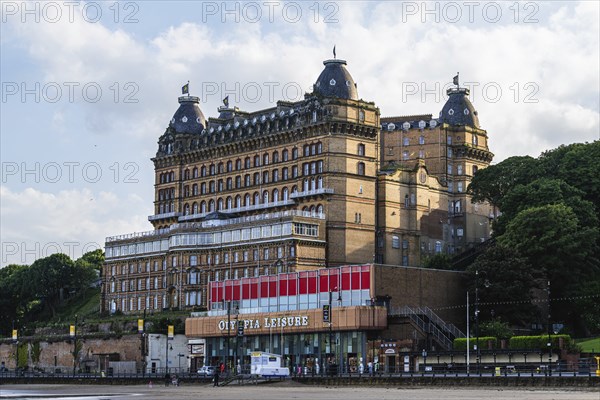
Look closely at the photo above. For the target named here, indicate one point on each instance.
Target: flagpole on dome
(185, 89)
(334, 56)
(455, 80)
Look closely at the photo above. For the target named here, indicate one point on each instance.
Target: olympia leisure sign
(279, 322)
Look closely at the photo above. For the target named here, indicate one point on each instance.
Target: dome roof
(458, 110)
(336, 81)
(188, 118)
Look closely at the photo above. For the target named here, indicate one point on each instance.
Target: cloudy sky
(88, 87)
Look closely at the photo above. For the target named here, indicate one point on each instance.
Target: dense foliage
(33, 293)
(548, 240)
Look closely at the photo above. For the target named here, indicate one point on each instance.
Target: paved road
(282, 391)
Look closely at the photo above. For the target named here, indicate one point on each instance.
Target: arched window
(474, 140)
(305, 185)
(306, 152)
(275, 157)
(256, 198)
(320, 209)
(247, 200)
(211, 206)
(266, 159)
(229, 203)
(195, 189)
(186, 174)
(360, 170)
(361, 149)
(275, 195)
(212, 169)
(195, 208)
(219, 204)
(247, 180)
(220, 185)
(294, 153)
(257, 161)
(275, 175)
(186, 209)
(256, 178)
(266, 197)
(474, 169)
(320, 182)
(247, 162)
(285, 194)
(319, 148)
(238, 182)
(203, 171)
(238, 164)
(285, 155)
(229, 183)
(312, 184)
(238, 201)
(265, 177)
(203, 188)
(229, 166)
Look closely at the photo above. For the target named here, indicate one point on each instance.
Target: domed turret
(188, 118)
(458, 110)
(336, 81)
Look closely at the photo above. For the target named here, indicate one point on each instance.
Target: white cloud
(36, 224)
(559, 55)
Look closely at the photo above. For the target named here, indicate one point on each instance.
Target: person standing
(216, 376)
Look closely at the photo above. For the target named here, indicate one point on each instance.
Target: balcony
(313, 192)
(163, 216)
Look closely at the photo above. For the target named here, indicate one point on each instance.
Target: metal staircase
(430, 323)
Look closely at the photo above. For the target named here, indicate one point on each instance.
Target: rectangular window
(395, 242)
(459, 187)
(266, 254)
(449, 168)
(246, 258)
(405, 155)
(405, 244)
(193, 261)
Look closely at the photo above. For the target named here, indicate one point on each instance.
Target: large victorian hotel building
(262, 218)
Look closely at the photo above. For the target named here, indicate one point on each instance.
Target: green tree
(438, 261)
(505, 284)
(545, 191)
(559, 248)
(14, 296)
(50, 276)
(491, 184)
(577, 164)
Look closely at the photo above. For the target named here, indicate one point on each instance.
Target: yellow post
(597, 365)
(497, 371)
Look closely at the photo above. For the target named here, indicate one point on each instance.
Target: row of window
(312, 168)
(460, 168)
(257, 161)
(216, 259)
(239, 201)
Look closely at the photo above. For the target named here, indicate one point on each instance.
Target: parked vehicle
(206, 370)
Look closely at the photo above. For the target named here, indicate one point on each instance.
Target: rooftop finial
(455, 80)
(334, 51)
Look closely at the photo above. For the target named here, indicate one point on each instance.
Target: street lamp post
(424, 354)
(74, 345)
(142, 331)
(549, 338)
(477, 318)
(15, 339)
(373, 341)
